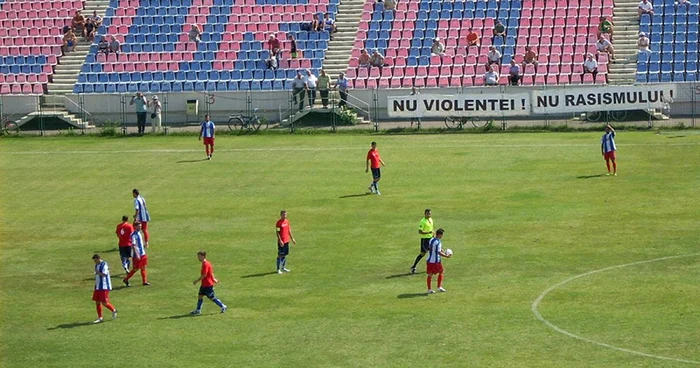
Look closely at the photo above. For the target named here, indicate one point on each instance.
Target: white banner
(604, 98)
(487, 104)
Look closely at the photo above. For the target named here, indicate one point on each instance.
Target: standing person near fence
(311, 82)
(299, 90)
(155, 114)
(323, 83)
(342, 86)
(141, 110)
(607, 148)
(207, 132)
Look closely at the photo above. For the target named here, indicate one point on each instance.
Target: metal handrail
(82, 109)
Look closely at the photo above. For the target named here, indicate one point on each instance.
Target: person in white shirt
(377, 60)
(590, 65)
(643, 44)
(311, 88)
(603, 45)
(438, 48)
(299, 90)
(155, 114)
(96, 19)
(491, 77)
(645, 7)
(494, 56)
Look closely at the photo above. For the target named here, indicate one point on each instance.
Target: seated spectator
(494, 56)
(683, 3)
(65, 29)
(514, 74)
(89, 31)
(643, 44)
(389, 5)
(530, 57)
(645, 7)
(316, 24)
(605, 26)
(499, 29)
(273, 44)
(472, 38)
(103, 45)
(96, 19)
(293, 46)
(364, 59)
(271, 62)
(438, 48)
(69, 40)
(604, 45)
(590, 65)
(78, 23)
(377, 60)
(329, 23)
(195, 34)
(491, 76)
(115, 46)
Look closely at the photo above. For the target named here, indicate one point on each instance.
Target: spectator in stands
(155, 115)
(293, 46)
(342, 85)
(78, 23)
(499, 29)
(69, 40)
(530, 57)
(323, 84)
(316, 24)
(514, 73)
(103, 45)
(493, 56)
(604, 46)
(273, 44)
(643, 44)
(605, 26)
(491, 76)
(141, 110)
(683, 3)
(329, 24)
(299, 90)
(115, 46)
(472, 38)
(195, 34)
(438, 48)
(364, 59)
(96, 19)
(389, 5)
(590, 65)
(645, 7)
(271, 62)
(65, 29)
(311, 83)
(89, 31)
(377, 60)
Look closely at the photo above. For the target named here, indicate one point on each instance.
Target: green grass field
(522, 212)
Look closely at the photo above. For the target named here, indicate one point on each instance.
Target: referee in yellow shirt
(425, 229)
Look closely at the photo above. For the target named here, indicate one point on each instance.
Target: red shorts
(434, 268)
(610, 155)
(208, 141)
(140, 262)
(101, 296)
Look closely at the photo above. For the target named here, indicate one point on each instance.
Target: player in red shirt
(124, 230)
(207, 287)
(284, 234)
(373, 161)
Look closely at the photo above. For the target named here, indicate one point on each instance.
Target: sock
(420, 256)
(128, 263)
(125, 262)
(607, 163)
(211, 150)
(143, 275)
(110, 307)
(145, 235)
(131, 273)
(99, 310)
(430, 282)
(279, 263)
(615, 167)
(440, 280)
(284, 262)
(376, 186)
(199, 304)
(218, 302)
(206, 148)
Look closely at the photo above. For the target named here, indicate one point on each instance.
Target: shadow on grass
(118, 277)
(70, 325)
(413, 295)
(404, 275)
(590, 176)
(355, 195)
(107, 250)
(190, 161)
(259, 274)
(676, 136)
(187, 315)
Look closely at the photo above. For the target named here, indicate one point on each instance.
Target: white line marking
(292, 149)
(537, 302)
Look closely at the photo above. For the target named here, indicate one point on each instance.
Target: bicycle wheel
(478, 123)
(11, 127)
(235, 123)
(453, 123)
(255, 123)
(618, 115)
(593, 116)
(262, 123)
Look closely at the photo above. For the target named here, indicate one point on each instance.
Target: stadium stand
(673, 32)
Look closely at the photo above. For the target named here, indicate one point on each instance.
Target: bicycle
(8, 127)
(458, 122)
(607, 115)
(252, 122)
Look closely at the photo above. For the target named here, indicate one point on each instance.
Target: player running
(207, 132)
(607, 148)
(284, 234)
(141, 213)
(434, 263)
(140, 257)
(373, 161)
(207, 287)
(124, 230)
(425, 230)
(103, 284)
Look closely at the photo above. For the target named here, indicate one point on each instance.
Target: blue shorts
(283, 250)
(376, 173)
(70, 43)
(207, 291)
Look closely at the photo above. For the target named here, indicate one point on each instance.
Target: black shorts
(207, 291)
(424, 245)
(125, 252)
(283, 250)
(376, 173)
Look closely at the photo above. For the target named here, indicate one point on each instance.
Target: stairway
(346, 20)
(626, 26)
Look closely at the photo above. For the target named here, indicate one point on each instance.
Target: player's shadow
(411, 295)
(190, 161)
(70, 325)
(355, 195)
(590, 176)
(258, 275)
(187, 315)
(404, 275)
(107, 250)
(110, 276)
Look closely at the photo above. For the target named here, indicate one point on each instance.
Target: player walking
(103, 284)
(373, 161)
(207, 287)
(124, 230)
(141, 213)
(434, 263)
(140, 257)
(284, 235)
(425, 230)
(207, 132)
(607, 148)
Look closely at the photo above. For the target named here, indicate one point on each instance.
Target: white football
(448, 252)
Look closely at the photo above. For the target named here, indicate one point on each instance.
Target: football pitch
(555, 264)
